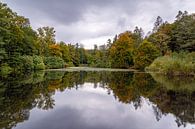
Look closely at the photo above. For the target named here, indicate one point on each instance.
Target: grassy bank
(175, 64)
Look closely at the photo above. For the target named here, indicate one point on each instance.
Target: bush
(5, 69)
(69, 64)
(175, 64)
(145, 55)
(25, 63)
(38, 63)
(53, 62)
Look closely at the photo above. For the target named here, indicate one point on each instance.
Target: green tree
(157, 24)
(182, 37)
(145, 55)
(17, 38)
(73, 54)
(46, 37)
(162, 37)
(65, 52)
(138, 34)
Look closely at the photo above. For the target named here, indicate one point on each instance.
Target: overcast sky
(94, 21)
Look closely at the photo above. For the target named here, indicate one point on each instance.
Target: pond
(96, 99)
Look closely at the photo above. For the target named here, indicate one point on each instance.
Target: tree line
(25, 49)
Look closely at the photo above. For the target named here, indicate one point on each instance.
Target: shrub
(69, 64)
(25, 63)
(145, 55)
(5, 69)
(175, 64)
(38, 63)
(53, 62)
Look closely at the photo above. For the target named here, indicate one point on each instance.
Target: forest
(168, 48)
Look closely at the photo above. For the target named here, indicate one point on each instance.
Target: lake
(96, 99)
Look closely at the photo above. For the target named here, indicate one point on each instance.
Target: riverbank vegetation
(176, 64)
(24, 49)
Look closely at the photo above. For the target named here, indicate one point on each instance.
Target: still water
(96, 100)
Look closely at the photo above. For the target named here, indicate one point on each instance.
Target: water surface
(95, 100)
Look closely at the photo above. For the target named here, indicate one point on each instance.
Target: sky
(95, 21)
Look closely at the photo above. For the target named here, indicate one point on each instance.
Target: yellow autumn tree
(121, 51)
(54, 50)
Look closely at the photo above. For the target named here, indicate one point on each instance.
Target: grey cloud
(70, 11)
(77, 20)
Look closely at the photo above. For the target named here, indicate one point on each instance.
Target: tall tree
(145, 55)
(17, 38)
(138, 34)
(65, 52)
(121, 51)
(162, 37)
(183, 33)
(46, 37)
(157, 24)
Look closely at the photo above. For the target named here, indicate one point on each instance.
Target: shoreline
(92, 69)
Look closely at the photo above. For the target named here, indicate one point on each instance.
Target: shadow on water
(19, 94)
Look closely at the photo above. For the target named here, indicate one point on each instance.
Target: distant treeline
(25, 49)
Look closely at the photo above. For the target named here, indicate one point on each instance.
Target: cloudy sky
(94, 21)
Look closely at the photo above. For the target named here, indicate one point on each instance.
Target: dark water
(96, 100)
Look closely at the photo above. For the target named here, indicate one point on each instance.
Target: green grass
(176, 64)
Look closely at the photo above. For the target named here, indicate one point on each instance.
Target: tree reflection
(21, 93)
(176, 96)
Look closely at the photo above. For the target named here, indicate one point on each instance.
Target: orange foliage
(55, 50)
